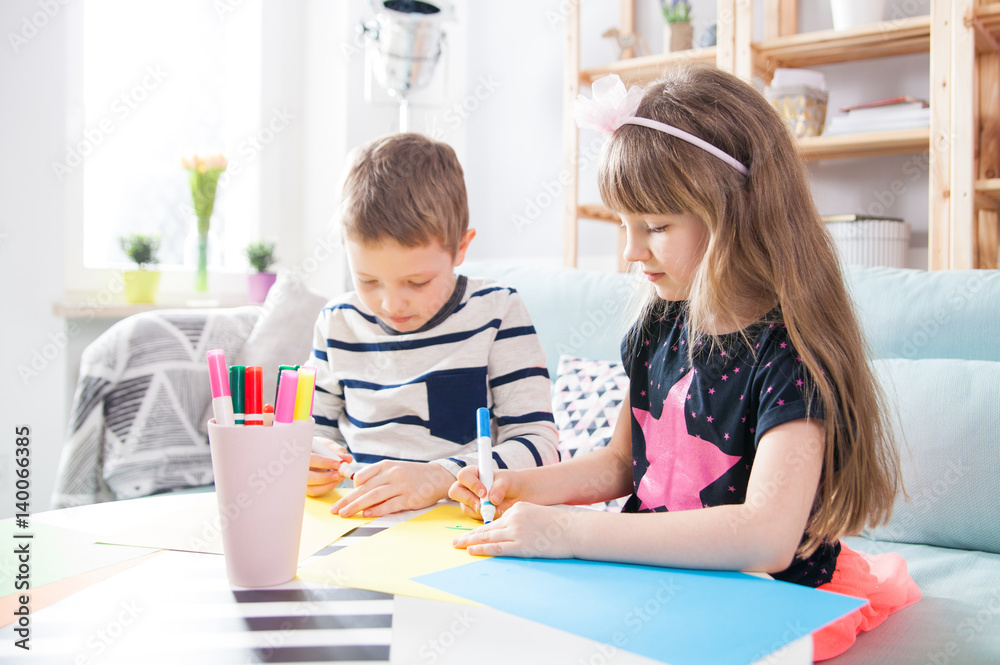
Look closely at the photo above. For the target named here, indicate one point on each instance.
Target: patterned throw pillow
(586, 397)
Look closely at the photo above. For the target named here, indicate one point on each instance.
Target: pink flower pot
(258, 284)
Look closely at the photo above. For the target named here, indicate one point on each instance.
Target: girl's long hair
(767, 247)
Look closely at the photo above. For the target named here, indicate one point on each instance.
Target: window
(161, 80)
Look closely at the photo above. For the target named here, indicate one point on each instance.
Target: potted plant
(141, 284)
(678, 33)
(260, 254)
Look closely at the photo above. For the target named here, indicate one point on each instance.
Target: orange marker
(268, 415)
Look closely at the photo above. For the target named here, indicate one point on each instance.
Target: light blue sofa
(935, 342)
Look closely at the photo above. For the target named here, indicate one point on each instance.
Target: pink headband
(612, 106)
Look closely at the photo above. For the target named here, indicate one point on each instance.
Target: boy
(403, 362)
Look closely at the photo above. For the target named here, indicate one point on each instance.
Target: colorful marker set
(237, 394)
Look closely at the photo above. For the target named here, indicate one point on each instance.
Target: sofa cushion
(918, 314)
(586, 398)
(946, 416)
(575, 312)
(956, 622)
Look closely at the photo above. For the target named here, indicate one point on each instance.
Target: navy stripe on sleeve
(500, 463)
(326, 422)
(371, 458)
(321, 355)
(531, 448)
(519, 331)
(460, 463)
(534, 417)
(518, 375)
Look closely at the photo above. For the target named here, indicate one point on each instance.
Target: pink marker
(284, 408)
(218, 374)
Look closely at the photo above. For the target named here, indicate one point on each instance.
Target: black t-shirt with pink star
(695, 429)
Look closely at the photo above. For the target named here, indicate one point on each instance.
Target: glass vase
(201, 272)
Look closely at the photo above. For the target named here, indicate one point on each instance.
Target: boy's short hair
(405, 187)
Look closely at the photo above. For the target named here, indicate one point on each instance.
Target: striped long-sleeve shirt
(413, 396)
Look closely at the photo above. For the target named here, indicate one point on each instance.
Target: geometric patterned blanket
(138, 421)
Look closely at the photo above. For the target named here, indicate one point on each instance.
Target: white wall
(32, 225)
(498, 101)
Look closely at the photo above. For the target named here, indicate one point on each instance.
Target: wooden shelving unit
(962, 40)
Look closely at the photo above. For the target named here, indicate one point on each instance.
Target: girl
(753, 432)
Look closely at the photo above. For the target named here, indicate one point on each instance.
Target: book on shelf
(858, 217)
(881, 115)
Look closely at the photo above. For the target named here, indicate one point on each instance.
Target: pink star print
(680, 465)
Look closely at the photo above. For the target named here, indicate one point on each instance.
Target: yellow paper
(386, 561)
(196, 529)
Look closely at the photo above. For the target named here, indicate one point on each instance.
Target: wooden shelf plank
(989, 16)
(640, 71)
(871, 144)
(989, 187)
(597, 212)
(888, 38)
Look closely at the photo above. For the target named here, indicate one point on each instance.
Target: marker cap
(284, 409)
(482, 421)
(304, 393)
(217, 373)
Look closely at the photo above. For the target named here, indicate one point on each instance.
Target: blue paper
(677, 616)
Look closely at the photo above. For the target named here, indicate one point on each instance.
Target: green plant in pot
(141, 284)
(678, 33)
(260, 254)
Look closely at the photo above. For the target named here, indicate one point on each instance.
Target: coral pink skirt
(881, 579)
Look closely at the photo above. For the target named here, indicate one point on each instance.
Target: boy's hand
(468, 490)
(323, 474)
(526, 530)
(391, 486)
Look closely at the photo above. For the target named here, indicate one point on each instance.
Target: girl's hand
(525, 530)
(468, 490)
(391, 486)
(323, 474)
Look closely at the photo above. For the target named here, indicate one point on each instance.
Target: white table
(178, 607)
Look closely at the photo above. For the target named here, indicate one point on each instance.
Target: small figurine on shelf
(627, 41)
(141, 285)
(678, 33)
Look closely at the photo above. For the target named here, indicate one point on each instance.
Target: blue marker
(485, 444)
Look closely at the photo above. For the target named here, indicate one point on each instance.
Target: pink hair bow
(609, 106)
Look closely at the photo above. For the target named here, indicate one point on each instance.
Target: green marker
(237, 381)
